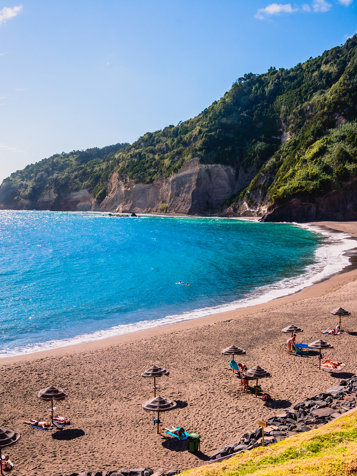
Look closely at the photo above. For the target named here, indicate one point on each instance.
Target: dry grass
(328, 451)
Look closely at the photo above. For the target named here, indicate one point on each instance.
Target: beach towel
(330, 365)
(183, 437)
(300, 350)
(62, 425)
(233, 365)
(40, 427)
(331, 331)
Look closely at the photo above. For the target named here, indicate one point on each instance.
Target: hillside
(280, 144)
(328, 451)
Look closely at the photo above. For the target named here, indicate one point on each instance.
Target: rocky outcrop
(337, 206)
(196, 189)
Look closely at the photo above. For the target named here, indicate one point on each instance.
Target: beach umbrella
(7, 437)
(233, 350)
(50, 394)
(340, 312)
(255, 374)
(154, 372)
(293, 329)
(159, 405)
(320, 344)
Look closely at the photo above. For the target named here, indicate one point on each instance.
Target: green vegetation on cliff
(313, 105)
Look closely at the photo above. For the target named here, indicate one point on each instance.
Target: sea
(68, 278)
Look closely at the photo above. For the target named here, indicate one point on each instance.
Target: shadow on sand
(276, 404)
(181, 404)
(341, 375)
(66, 435)
(173, 444)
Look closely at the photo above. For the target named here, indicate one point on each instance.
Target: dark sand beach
(105, 390)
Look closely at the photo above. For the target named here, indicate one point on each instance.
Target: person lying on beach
(176, 431)
(331, 331)
(6, 463)
(330, 363)
(62, 420)
(41, 424)
(290, 342)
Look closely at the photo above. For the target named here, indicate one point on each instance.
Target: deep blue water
(65, 276)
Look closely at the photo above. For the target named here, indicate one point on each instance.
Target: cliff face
(338, 205)
(196, 189)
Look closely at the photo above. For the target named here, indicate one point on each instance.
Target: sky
(84, 73)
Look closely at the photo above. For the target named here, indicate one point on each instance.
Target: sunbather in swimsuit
(62, 420)
(177, 431)
(42, 424)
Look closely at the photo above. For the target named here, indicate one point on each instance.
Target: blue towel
(233, 365)
(40, 427)
(183, 437)
(303, 346)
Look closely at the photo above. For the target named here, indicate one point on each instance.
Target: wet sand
(105, 390)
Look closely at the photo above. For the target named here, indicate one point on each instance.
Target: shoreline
(105, 389)
(317, 289)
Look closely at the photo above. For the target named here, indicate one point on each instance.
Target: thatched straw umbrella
(256, 373)
(340, 312)
(7, 437)
(154, 372)
(233, 350)
(320, 344)
(159, 404)
(50, 394)
(293, 329)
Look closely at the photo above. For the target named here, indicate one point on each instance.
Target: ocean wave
(330, 258)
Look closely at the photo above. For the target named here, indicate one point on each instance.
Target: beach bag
(266, 397)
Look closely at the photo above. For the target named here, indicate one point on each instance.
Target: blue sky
(84, 73)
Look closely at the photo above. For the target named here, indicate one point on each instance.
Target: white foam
(330, 258)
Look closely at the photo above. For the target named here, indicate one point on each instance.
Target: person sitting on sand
(6, 463)
(62, 420)
(290, 343)
(41, 424)
(176, 431)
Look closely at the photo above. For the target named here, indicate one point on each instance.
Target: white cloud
(274, 9)
(6, 13)
(14, 149)
(3, 54)
(345, 2)
(321, 6)
(306, 8)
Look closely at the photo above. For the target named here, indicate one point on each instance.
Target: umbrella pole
(256, 388)
(320, 360)
(233, 359)
(52, 411)
(154, 386)
(158, 423)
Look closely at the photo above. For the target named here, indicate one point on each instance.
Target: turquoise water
(74, 277)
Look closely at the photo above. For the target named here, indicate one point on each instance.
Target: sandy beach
(105, 390)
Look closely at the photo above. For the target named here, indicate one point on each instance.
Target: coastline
(105, 389)
(317, 289)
